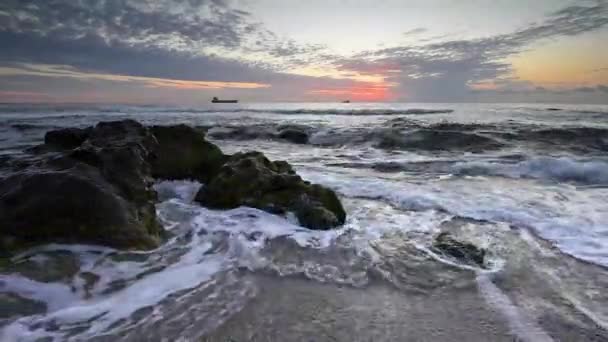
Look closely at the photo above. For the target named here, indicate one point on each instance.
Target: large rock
(250, 179)
(121, 151)
(98, 192)
(70, 206)
(66, 138)
(183, 153)
(95, 185)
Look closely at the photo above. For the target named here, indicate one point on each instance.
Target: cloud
(93, 54)
(446, 70)
(209, 45)
(22, 96)
(528, 88)
(63, 71)
(415, 31)
(183, 44)
(172, 23)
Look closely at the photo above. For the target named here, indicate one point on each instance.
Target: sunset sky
(186, 51)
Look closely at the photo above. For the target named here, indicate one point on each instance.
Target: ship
(346, 101)
(216, 100)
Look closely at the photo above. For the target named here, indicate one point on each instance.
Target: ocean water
(528, 182)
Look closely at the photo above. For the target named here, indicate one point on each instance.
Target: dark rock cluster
(95, 185)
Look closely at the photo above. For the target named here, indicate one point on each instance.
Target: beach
(525, 183)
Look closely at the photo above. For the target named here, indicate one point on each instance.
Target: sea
(526, 182)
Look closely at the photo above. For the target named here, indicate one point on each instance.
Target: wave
(288, 133)
(580, 139)
(359, 111)
(574, 219)
(329, 111)
(560, 169)
(546, 168)
(31, 127)
(220, 109)
(436, 140)
(565, 110)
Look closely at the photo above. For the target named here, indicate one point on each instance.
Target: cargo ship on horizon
(216, 100)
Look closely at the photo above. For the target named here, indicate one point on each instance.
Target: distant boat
(216, 100)
(346, 101)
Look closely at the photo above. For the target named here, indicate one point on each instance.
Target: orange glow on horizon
(374, 92)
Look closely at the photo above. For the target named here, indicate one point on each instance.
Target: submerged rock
(296, 136)
(183, 153)
(250, 179)
(463, 251)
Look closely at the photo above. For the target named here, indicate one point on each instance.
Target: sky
(183, 52)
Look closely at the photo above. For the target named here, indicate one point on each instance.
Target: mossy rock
(183, 153)
(95, 187)
(72, 207)
(250, 179)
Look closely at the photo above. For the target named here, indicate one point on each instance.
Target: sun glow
(362, 92)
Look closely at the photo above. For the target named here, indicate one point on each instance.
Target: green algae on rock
(250, 179)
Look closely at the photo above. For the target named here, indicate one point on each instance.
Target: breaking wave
(436, 140)
(329, 111)
(555, 169)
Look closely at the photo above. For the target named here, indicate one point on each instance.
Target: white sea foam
(247, 230)
(575, 219)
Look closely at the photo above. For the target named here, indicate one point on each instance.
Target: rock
(66, 138)
(250, 179)
(294, 135)
(463, 251)
(95, 186)
(99, 192)
(183, 153)
(72, 206)
(122, 151)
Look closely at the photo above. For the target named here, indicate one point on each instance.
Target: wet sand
(290, 309)
(526, 307)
